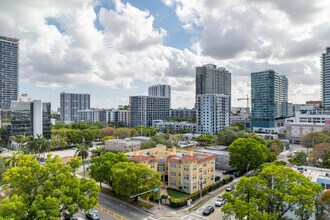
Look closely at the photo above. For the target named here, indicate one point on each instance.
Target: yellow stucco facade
(183, 170)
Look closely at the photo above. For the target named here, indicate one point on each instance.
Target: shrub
(180, 202)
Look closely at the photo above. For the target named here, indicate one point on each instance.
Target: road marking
(122, 205)
(133, 213)
(107, 202)
(111, 213)
(198, 216)
(216, 212)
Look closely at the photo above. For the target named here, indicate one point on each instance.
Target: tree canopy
(101, 167)
(247, 154)
(137, 178)
(229, 134)
(47, 191)
(271, 193)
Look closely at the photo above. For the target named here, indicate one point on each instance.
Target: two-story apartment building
(183, 170)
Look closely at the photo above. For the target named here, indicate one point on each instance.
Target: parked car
(217, 178)
(208, 210)
(76, 218)
(220, 202)
(230, 188)
(92, 215)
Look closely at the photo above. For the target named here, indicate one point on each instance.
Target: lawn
(176, 194)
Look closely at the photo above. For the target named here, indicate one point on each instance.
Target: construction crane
(247, 103)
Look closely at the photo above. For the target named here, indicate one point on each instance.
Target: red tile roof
(141, 158)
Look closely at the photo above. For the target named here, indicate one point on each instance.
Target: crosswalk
(196, 215)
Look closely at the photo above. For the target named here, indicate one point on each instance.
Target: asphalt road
(123, 209)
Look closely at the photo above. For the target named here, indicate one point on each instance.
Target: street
(123, 209)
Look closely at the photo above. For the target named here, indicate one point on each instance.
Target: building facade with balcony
(183, 170)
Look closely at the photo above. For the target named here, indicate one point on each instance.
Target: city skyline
(92, 50)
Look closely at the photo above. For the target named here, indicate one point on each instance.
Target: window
(204, 172)
(194, 167)
(212, 169)
(186, 176)
(152, 165)
(194, 185)
(186, 168)
(173, 165)
(173, 183)
(179, 174)
(204, 180)
(194, 176)
(200, 169)
(185, 185)
(173, 174)
(204, 164)
(212, 162)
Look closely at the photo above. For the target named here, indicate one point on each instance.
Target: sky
(114, 49)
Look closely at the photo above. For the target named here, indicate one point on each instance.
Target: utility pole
(201, 184)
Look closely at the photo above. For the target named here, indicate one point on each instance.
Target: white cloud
(244, 36)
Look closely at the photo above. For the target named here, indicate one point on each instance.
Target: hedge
(177, 203)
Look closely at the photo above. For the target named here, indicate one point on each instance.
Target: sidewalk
(167, 211)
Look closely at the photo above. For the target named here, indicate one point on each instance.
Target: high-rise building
(212, 80)
(30, 118)
(213, 112)
(269, 98)
(70, 103)
(160, 90)
(115, 116)
(325, 78)
(145, 109)
(9, 67)
(213, 94)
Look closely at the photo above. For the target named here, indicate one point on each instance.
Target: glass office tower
(269, 96)
(325, 78)
(9, 67)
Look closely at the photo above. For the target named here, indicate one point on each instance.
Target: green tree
(98, 151)
(101, 167)
(323, 202)
(3, 167)
(299, 159)
(148, 144)
(123, 133)
(89, 135)
(205, 139)
(312, 138)
(240, 125)
(107, 131)
(162, 139)
(271, 193)
(107, 138)
(137, 178)
(320, 155)
(146, 131)
(45, 191)
(276, 146)
(58, 143)
(247, 154)
(82, 151)
(12, 161)
(261, 140)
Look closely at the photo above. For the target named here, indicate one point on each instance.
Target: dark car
(208, 210)
(92, 216)
(217, 178)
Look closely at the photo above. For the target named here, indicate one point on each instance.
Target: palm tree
(82, 151)
(43, 145)
(11, 161)
(31, 146)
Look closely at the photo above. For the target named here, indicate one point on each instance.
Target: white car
(220, 202)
